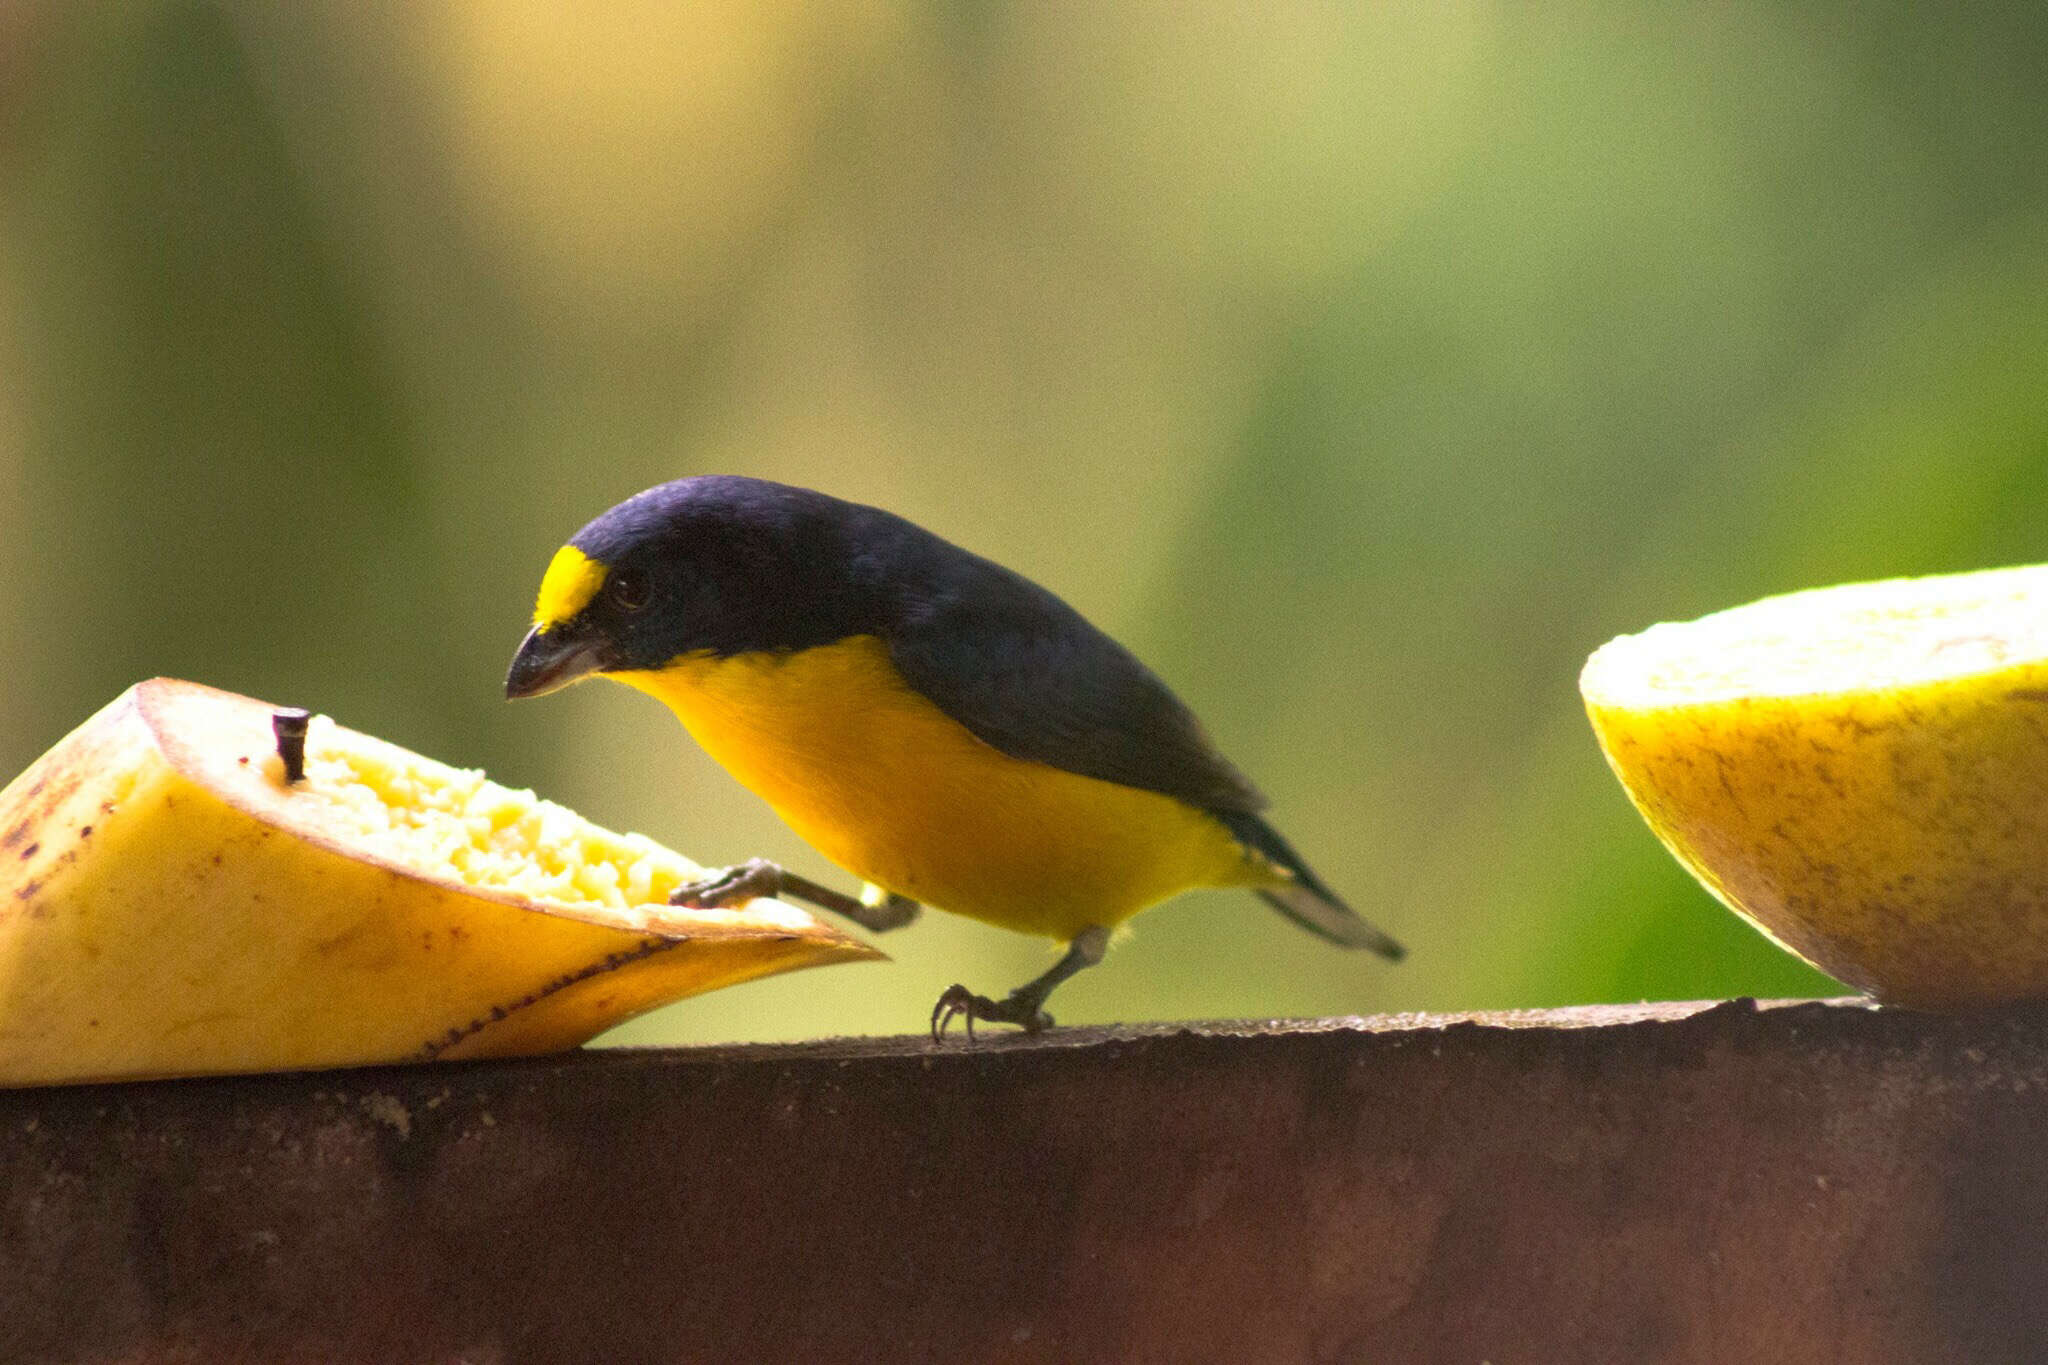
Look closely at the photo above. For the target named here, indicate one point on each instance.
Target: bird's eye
(627, 590)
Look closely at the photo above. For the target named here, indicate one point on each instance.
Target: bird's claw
(960, 1003)
(747, 881)
(957, 1002)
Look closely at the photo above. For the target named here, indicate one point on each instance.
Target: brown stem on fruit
(289, 725)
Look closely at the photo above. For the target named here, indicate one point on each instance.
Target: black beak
(550, 660)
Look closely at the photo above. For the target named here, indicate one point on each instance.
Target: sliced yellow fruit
(170, 904)
(1862, 771)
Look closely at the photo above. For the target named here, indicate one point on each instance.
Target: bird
(941, 727)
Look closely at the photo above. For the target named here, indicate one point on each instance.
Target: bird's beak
(552, 659)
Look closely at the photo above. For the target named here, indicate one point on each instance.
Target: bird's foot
(750, 880)
(757, 877)
(960, 1003)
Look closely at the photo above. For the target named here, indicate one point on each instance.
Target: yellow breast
(885, 784)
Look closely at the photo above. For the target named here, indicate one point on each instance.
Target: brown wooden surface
(1803, 1183)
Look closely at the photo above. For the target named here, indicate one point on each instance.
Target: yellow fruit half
(171, 905)
(1862, 771)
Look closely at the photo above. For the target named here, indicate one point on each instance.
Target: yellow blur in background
(1362, 367)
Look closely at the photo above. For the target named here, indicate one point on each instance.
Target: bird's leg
(882, 910)
(1024, 1006)
(758, 877)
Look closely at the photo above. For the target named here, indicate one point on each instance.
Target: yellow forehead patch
(572, 579)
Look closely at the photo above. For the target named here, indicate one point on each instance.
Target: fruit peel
(169, 906)
(1879, 805)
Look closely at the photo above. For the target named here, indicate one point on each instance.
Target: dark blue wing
(1029, 675)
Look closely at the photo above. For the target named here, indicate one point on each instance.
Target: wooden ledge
(1801, 1182)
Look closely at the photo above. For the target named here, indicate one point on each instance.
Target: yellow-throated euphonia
(939, 726)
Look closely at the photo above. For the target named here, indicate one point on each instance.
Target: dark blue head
(719, 564)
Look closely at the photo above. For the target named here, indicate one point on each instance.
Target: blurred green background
(1363, 367)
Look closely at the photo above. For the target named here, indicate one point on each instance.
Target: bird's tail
(1304, 899)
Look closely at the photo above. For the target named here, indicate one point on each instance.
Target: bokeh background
(1363, 366)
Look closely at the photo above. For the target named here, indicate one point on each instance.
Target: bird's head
(717, 564)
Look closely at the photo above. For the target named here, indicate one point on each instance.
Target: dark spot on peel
(85, 831)
(17, 834)
(27, 890)
(31, 851)
(497, 1013)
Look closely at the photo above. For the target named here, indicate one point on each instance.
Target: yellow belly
(885, 784)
